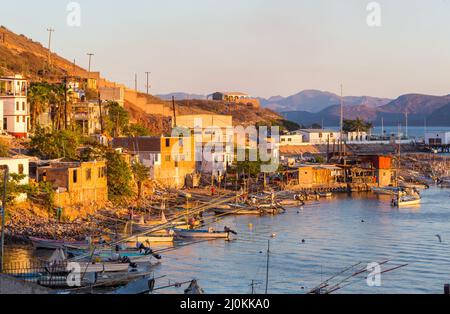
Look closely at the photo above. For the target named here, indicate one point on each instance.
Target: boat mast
(267, 267)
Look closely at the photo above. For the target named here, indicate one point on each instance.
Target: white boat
(152, 239)
(202, 234)
(406, 200)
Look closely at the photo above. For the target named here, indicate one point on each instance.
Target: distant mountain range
(420, 109)
(316, 101)
(314, 106)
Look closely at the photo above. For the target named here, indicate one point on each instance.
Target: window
(320, 135)
(5, 123)
(23, 106)
(168, 158)
(167, 142)
(176, 164)
(17, 119)
(20, 170)
(88, 174)
(17, 106)
(23, 119)
(75, 176)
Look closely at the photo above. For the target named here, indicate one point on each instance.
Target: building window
(17, 106)
(75, 176)
(23, 106)
(20, 169)
(88, 174)
(17, 119)
(23, 119)
(167, 142)
(5, 123)
(176, 164)
(168, 158)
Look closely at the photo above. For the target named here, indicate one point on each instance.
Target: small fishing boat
(152, 239)
(203, 234)
(406, 200)
(385, 190)
(238, 211)
(39, 243)
(326, 194)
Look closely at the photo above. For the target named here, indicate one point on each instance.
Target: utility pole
(174, 112)
(50, 31)
(3, 208)
(406, 123)
(89, 67)
(101, 114)
(267, 267)
(135, 82)
(148, 85)
(342, 110)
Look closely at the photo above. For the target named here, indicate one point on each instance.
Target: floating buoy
(250, 225)
(273, 235)
(303, 241)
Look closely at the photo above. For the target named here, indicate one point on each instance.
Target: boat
(152, 239)
(326, 194)
(202, 234)
(406, 200)
(39, 243)
(388, 190)
(237, 211)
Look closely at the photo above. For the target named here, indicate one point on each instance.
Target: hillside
(434, 109)
(21, 55)
(315, 101)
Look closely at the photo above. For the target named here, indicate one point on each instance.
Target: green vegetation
(117, 120)
(136, 130)
(13, 187)
(357, 125)
(55, 144)
(141, 174)
(119, 177)
(4, 149)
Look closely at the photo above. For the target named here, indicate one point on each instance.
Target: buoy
(273, 235)
(303, 241)
(250, 225)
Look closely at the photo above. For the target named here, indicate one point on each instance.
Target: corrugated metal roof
(138, 144)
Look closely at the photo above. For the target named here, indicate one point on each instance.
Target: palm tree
(38, 98)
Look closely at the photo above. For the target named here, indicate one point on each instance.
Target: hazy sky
(263, 47)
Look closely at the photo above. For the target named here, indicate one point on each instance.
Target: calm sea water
(335, 238)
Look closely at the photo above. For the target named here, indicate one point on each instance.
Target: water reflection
(337, 233)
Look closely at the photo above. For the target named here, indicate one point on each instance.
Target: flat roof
(318, 131)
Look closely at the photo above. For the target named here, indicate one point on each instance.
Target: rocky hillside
(22, 55)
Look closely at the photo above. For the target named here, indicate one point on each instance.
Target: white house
(16, 113)
(319, 136)
(437, 138)
(291, 140)
(18, 165)
(356, 137)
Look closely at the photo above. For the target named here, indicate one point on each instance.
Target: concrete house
(15, 112)
(319, 136)
(18, 165)
(170, 159)
(82, 183)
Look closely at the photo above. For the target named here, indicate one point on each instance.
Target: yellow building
(170, 159)
(77, 182)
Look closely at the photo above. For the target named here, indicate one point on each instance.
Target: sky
(261, 47)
